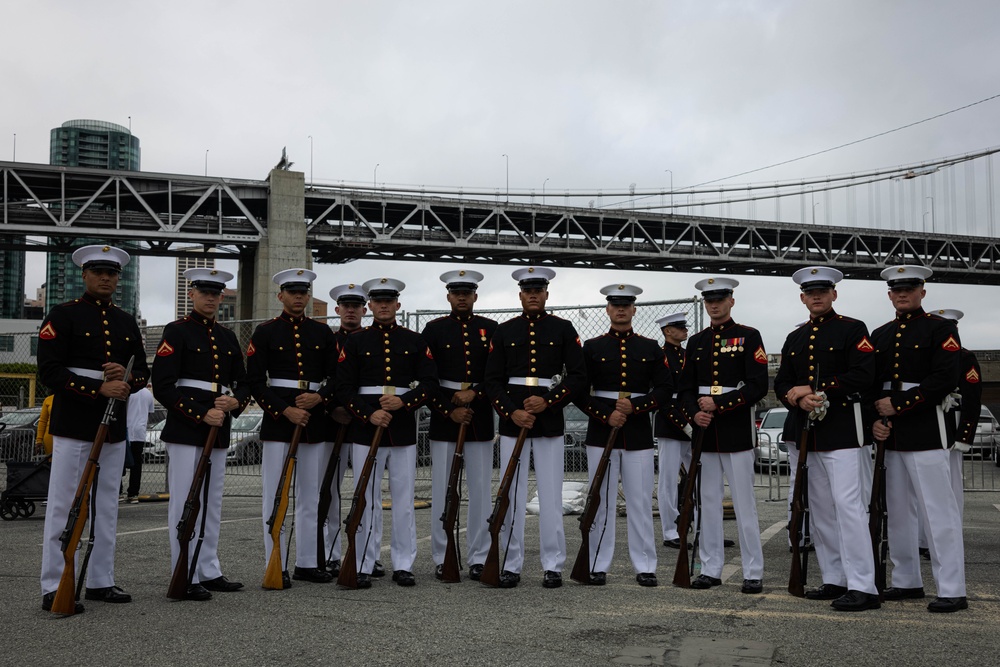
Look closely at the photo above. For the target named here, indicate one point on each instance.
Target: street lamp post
(815, 204)
(14, 156)
(507, 159)
(931, 211)
(543, 191)
(206, 162)
(375, 177)
(310, 161)
(671, 189)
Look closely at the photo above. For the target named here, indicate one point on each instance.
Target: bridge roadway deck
(467, 624)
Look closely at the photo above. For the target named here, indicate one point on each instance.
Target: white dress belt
(896, 385)
(613, 395)
(215, 387)
(87, 373)
(531, 382)
(294, 384)
(383, 390)
(715, 391)
(458, 386)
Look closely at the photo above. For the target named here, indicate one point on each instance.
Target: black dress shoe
(509, 579)
(438, 571)
(728, 543)
(856, 601)
(403, 578)
(947, 605)
(646, 579)
(751, 586)
(222, 585)
(198, 593)
(826, 592)
(673, 544)
(704, 581)
(892, 593)
(286, 581)
(475, 571)
(364, 580)
(313, 574)
(925, 553)
(806, 548)
(551, 579)
(333, 567)
(598, 578)
(111, 594)
(379, 569)
(49, 597)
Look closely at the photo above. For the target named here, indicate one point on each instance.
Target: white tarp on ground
(574, 497)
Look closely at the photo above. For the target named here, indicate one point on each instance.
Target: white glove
(819, 412)
(951, 401)
(688, 431)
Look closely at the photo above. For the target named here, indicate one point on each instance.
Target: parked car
(154, 451)
(244, 439)
(575, 447)
(987, 438)
(771, 450)
(17, 439)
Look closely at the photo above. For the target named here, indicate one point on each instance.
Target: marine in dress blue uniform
(199, 377)
(671, 430)
(526, 354)
(460, 343)
(83, 348)
(289, 362)
(628, 379)
(916, 368)
(833, 354)
(724, 376)
(385, 373)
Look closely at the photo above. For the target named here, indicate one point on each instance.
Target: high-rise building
(100, 145)
(182, 303)
(12, 281)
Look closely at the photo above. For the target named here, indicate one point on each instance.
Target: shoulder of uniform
(486, 320)
(748, 328)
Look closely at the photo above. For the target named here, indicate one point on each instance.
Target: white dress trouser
(671, 454)
(549, 467)
(401, 462)
(636, 472)
(334, 518)
(925, 476)
(958, 479)
(866, 470)
(309, 469)
(183, 462)
(69, 457)
(478, 482)
(738, 469)
(839, 520)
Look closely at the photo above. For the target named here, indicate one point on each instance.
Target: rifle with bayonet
(449, 518)
(581, 568)
(326, 498)
(182, 575)
(800, 506)
(273, 579)
(491, 568)
(682, 572)
(66, 595)
(348, 577)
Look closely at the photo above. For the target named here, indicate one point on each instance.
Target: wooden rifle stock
(800, 508)
(64, 601)
(581, 567)
(449, 518)
(326, 496)
(348, 577)
(682, 571)
(181, 578)
(272, 575)
(491, 568)
(877, 517)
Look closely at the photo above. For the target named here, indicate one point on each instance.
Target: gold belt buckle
(388, 391)
(716, 391)
(624, 394)
(215, 387)
(530, 382)
(466, 385)
(303, 384)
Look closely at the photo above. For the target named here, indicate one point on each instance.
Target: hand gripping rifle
(64, 601)
(272, 575)
(326, 497)
(878, 516)
(800, 508)
(581, 568)
(449, 518)
(682, 572)
(491, 568)
(181, 579)
(348, 577)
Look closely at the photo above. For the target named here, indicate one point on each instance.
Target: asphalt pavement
(469, 624)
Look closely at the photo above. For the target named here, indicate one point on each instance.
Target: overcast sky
(579, 94)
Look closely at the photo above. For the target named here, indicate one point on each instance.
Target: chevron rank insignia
(429, 355)
(951, 345)
(343, 355)
(760, 356)
(865, 345)
(972, 377)
(251, 349)
(48, 332)
(165, 350)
